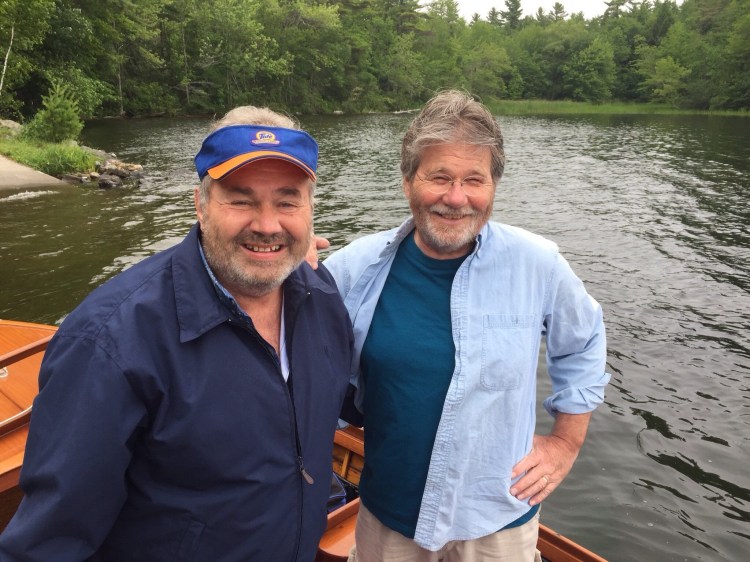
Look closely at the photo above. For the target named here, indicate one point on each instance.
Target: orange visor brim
(221, 170)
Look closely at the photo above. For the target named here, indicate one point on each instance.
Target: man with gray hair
(187, 407)
(448, 311)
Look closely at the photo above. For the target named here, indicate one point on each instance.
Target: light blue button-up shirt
(514, 289)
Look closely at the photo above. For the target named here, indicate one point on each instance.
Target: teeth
(265, 249)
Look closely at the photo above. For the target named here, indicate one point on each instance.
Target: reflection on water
(652, 213)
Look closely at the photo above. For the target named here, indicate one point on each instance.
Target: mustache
(259, 239)
(452, 213)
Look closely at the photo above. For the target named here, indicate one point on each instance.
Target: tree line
(145, 57)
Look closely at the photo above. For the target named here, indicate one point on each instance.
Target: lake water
(652, 212)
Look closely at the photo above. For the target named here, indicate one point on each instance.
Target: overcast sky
(590, 8)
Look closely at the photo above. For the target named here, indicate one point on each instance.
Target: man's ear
(197, 200)
(406, 184)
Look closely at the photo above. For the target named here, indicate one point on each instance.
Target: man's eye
(241, 204)
(474, 182)
(440, 180)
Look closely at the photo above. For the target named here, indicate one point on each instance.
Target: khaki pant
(377, 543)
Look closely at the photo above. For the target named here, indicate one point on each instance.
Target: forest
(156, 57)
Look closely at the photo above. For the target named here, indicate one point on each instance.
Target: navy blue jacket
(164, 429)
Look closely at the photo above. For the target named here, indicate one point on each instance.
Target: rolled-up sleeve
(576, 345)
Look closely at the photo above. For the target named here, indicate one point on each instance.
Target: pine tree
(59, 119)
(512, 16)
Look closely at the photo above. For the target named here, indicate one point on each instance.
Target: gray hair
(247, 115)
(452, 116)
(251, 115)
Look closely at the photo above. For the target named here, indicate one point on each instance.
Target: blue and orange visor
(231, 147)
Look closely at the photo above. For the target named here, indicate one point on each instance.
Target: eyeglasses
(440, 184)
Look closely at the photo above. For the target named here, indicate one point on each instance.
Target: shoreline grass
(53, 159)
(566, 107)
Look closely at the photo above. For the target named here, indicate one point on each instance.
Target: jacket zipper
(290, 394)
(305, 475)
(298, 445)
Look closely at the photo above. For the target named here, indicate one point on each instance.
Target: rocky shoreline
(110, 173)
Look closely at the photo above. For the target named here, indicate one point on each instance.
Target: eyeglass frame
(435, 185)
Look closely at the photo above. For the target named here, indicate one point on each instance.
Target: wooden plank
(557, 548)
(352, 439)
(12, 447)
(22, 346)
(338, 539)
(9, 501)
(24, 351)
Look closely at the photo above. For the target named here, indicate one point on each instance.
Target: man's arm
(551, 458)
(576, 361)
(78, 449)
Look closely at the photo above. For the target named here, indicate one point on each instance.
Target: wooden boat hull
(348, 460)
(22, 346)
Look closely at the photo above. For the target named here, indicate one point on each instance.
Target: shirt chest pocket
(507, 341)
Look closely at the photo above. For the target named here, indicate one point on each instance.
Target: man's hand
(317, 243)
(550, 459)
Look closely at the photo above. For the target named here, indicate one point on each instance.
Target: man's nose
(455, 196)
(266, 221)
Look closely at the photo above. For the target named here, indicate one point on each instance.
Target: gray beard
(444, 239)
(236, 278)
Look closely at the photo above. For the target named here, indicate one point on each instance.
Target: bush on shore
(47, 142)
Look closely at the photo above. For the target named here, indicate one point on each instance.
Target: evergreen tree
(494, 17)
(558, 12)
(540, 17)
(512, 15)
(59, 118)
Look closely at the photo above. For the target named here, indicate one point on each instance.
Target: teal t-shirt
(407, 363)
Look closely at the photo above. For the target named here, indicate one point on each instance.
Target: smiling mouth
(451, 216)
(450, 213)
(264, 249)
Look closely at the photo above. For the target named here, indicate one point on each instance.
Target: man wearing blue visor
(187, 407)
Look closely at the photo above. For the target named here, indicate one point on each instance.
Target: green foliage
(566, 107)
(488, 70)
(737, 65)
(590, 74)
(662, 75)
(136, 57)
(10, 108)
(59, 119)
(23, 25)
(52, 159)
(406, 80)
(90, 92)
(439, 40)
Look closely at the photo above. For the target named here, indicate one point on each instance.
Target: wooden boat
(22, 346)
(348, 460)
